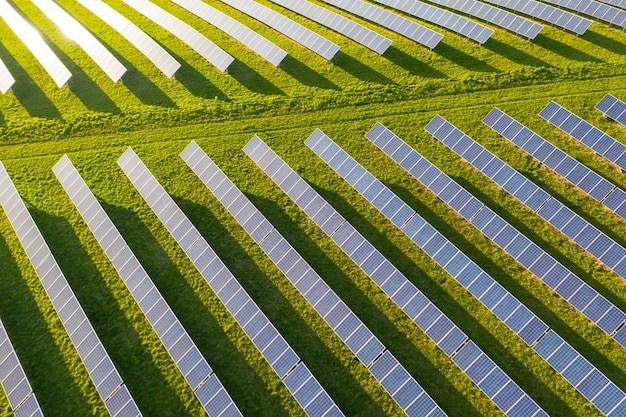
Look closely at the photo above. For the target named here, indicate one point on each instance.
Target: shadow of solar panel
(593, 137)
(494, 15)
(88, 42)
(257, 43)
(392, 21)
(165, 324)
(595, 9)
(139, 39)
(259, 329)
(35, 44)
(287, 27)
(71, 314)
(444, 18)
(338, 23)
(14, 382)
(425, 316)
(506, 307)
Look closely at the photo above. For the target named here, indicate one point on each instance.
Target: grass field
(94, 121)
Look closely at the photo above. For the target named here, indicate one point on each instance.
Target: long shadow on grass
(411, 64)
(56, 390)
(83, 87)
(462, 59)
(426, 374)
(550, 318)
(481, 336)
(327, 368)
(605, 42)
(514, 54)
(195, 82)
(144, 89)
(563, 50)
(34, 100)
(359, 70)
(249, 392)
(558, 254)
(131, 356)
(306, 75)
(252, 80)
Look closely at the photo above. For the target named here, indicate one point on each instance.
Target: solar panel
(494, 15)
(443, 18)
(617, 3)
(166, 325)
(268, 50)
(361, 341)
(545, 12)
(6, 79)
(35, 44)
(441, 330)
(274, 348)
(194, 39)
(151, 49)
(584, 132)
(338, 23)
(569, 168)
(92, 353)
(14, 382)
(600, 11)
(498, 300)
(614, 108)
(287, 27)
(391, 21)
(587, 236)
(556, 276)
(89, 43)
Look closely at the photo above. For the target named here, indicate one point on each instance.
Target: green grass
(94, 120)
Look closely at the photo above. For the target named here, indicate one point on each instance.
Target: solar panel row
(398, 24)
(14, 382)
(596, 9)
(441, 330)
(268, 50)
(105, 377)
(551, 14)
(578, 174)
(35, 44)
(617, 3)
(393, 377)
(613, 107)
(584, 132)
(88, 42)
(443, 18)
(276, 351)
(164, 322)
(6, 79)
(338, 23)
(590, 382)
(574, 290)
(287, 27)
(491, 14)
(138, 38)
(532, 196)
(197, 41)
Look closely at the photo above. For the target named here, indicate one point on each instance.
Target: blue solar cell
(468, 274)
(408, 393)
(495, 226)
(533, 330)
(508, 396)
(505, 307)
(516, 245)
(583, 297)
(480, 285)
(543, 265)
(452, 341)
(610, 397)
(519, 318)
(427, 317)
(562, 357)
(493, 382)
(481, 367)
(423, 235)
(611, 320)
(470, 208)
(467, 355)
(548, 344)
(594, 383)
(530, 255)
